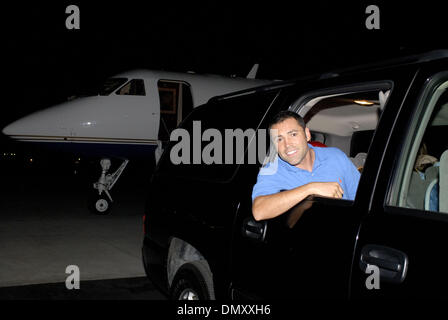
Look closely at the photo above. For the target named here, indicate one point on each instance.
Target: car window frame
(394, 189)
(165, 156)
(298, 104)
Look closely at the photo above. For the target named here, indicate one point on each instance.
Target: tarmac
(45, 227)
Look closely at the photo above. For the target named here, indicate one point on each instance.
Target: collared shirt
(330, 165)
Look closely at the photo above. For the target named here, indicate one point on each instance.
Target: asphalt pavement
(45, 227)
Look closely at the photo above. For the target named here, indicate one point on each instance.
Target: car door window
(224, 118)
(421, 177)
(345, 118)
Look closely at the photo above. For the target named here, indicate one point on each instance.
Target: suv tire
(193, 281)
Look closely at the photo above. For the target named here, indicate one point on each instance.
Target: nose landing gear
(101, 201)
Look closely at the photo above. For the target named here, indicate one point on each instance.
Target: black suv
(391, 119)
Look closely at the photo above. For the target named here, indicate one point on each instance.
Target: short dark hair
(286, 114)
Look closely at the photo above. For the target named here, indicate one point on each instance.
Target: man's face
(290, 140)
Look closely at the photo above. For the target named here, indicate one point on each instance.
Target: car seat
(432, 196)
(359, 160)
(317, 144)
(421, 185)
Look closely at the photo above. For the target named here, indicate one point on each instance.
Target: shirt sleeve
(351, 177)
(265, 185)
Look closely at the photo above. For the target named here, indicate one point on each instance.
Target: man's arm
(273, 205)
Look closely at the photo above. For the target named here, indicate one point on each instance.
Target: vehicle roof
(413, 59)
(394, 62)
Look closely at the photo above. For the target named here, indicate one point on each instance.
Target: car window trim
(298, 104)
(431, 84)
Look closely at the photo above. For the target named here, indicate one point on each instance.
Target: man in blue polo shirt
(301, 170)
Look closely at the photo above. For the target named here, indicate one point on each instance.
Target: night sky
(46, 63)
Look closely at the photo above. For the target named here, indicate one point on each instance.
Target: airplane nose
(39, 124)
(19, 127)
(11, 129)
(69, 119)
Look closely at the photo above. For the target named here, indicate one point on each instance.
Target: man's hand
(326, 189)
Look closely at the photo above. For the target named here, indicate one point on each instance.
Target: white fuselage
(122, 119)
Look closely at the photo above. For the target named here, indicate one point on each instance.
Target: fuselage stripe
(82, 139)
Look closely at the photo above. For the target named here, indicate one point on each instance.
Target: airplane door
(175, 104)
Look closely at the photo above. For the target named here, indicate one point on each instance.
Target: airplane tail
(253, 72)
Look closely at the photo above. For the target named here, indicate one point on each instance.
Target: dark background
(44, 63)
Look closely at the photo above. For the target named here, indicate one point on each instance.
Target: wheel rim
(188, 294)
(101, 205)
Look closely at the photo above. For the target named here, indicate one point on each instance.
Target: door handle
(254, 229)
(392, 263)
(383, 263)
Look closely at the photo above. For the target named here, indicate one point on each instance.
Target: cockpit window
(135, 87)
(110, 85)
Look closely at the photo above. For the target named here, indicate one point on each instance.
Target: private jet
(132, 114)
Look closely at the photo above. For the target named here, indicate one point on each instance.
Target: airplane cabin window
(135, 87)
(110, 85)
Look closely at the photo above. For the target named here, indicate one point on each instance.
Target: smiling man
(303, 170)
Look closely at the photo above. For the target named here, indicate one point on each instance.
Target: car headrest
(317, 144)
(360, 142)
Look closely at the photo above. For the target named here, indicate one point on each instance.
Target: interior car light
(364, 102)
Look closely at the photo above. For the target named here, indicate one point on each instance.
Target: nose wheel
(100, 205)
